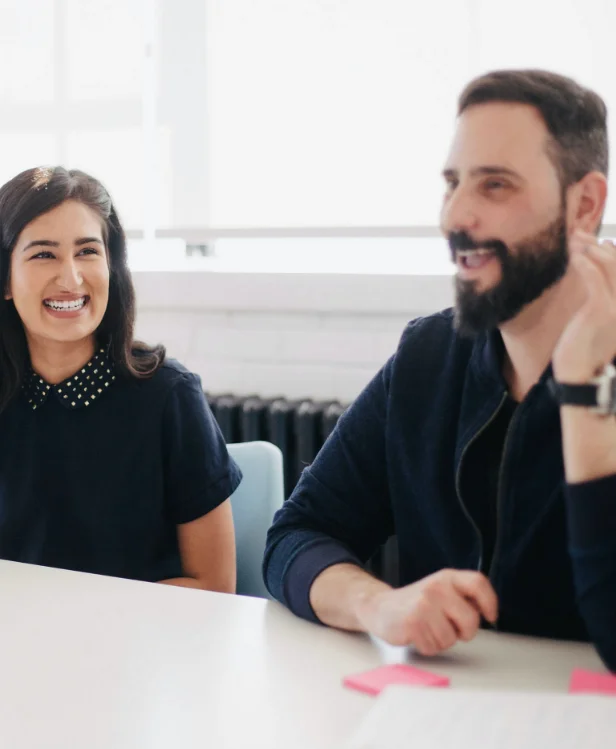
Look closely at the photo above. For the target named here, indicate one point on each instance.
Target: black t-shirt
(483, 462)
(97, 472)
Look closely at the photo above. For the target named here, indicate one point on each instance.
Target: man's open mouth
(474, 258)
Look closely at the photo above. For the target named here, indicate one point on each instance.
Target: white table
(90, 662)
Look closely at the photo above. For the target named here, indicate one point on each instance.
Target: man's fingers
(594, 276)
(464, 616)
(600, 254)
(443, 630)
(604, 256)
(478, 589)
(424, 641)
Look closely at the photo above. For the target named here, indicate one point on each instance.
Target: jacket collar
(485, 389)
(487, 360)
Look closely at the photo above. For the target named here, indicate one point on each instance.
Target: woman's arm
(207, 550)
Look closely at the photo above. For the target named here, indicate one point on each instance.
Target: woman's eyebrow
(51, 243)
(41, 243)
(88, 240)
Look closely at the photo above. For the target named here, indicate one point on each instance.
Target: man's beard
(533, 266)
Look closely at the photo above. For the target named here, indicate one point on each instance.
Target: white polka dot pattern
(80, 390)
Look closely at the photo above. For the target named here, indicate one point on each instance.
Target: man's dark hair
(29, 195)
(576, 117)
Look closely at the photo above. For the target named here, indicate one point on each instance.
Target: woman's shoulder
(171, 388)
(170, 374)
(172, 371)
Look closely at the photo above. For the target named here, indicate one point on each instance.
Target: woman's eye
(45, 255)
(89, 251)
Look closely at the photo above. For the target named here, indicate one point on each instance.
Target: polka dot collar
(82, 389)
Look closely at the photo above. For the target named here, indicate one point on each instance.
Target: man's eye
(494, 184)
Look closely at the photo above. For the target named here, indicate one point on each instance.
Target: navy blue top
(406, 459)
(97, 472)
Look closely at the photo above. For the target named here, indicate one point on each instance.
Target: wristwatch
(598, 395)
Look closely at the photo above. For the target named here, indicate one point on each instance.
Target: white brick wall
(306, 351)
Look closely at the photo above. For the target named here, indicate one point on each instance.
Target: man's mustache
(460, 240)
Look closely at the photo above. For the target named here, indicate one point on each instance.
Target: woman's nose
(70, 276)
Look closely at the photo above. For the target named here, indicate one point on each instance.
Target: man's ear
(586, 202)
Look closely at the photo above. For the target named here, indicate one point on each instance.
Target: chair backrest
(254, 503)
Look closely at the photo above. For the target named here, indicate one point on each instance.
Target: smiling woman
(55, 277)
(143, 493)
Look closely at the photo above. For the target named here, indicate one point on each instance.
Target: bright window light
(208, 117)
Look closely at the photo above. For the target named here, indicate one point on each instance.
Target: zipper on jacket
(458, 478)
(499, 496)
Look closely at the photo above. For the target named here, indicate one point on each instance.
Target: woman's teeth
(60, 306)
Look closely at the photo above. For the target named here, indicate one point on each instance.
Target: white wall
(296, 335)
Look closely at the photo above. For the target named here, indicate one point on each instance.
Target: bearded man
(487, 443)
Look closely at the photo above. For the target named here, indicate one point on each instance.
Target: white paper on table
(391, 653)
(408, 717)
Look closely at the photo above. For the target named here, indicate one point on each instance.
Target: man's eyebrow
(482, 171)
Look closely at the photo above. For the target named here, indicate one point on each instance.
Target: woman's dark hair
(24, 198)
(575, 117)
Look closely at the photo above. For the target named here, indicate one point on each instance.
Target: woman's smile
(64, 307)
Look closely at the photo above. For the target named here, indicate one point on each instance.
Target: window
(231, 118)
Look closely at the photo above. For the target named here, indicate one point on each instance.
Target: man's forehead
(513, 136)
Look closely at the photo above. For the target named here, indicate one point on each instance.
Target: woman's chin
(74, 330)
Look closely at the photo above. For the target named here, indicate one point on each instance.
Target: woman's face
(59, 278)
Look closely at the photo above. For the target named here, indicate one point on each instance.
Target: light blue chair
(254, 503)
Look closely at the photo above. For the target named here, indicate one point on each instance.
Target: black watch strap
(574, 395)
(598, 395)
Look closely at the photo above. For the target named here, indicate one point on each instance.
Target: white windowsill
(293, 292)
(357, 275)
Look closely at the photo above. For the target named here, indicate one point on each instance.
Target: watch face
(612, 406)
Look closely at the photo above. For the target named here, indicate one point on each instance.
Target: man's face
(503, 214)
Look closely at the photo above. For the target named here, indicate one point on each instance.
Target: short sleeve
(199, 472)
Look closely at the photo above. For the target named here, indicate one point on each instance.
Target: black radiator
(298, 427)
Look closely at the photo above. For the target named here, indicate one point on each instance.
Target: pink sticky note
(590, 681)
(373, 682)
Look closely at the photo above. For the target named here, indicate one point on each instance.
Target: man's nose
(459, 213)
